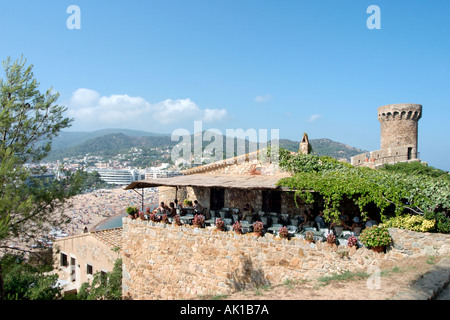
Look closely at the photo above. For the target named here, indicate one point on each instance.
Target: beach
(90, 209)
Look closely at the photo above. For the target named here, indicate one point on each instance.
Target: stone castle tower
(399, 125)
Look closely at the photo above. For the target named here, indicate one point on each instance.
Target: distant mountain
(324, 147)
(67, 139)
(110, 142)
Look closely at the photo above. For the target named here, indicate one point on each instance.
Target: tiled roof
(112, 237)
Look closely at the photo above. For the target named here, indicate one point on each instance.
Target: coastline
(91, 210)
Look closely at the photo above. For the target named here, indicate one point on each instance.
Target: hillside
(111, 142)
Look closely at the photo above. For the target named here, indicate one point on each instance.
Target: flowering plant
(165, 218)
(309, 236)
(283, 232)
(411, 222)
(351, 241)
(331, 238)
(237, 227)
(199, 220)
(154, 217)
(220, 224)
(258, 227)
(375, 236)
(177, 220)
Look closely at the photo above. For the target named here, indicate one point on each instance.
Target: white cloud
(214, 115)
(314, 117)
(91, 111)
(262, 99)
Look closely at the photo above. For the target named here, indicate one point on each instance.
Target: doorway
(217, 198)
(271, 201)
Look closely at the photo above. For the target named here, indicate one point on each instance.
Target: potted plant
(153, 217)
(187, 202)
(132, 211)
(237, 227)
(198, 221)
(309, 236)
(331, 238)
(352, 241)
(177, 220)
(258, 228)
(165, 219)
(283, 232)
(376, 238)
(220, 224)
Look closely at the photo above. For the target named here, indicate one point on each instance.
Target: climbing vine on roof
(335, 182)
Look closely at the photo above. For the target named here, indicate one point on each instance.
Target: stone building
(77, 258)
(399, 136)
(305, 146)
(230, 184)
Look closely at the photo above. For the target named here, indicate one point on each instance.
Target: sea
(116, 221)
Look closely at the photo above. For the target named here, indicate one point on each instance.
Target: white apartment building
(120, 176)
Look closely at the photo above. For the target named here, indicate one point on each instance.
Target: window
(89, 269)
(64, 261)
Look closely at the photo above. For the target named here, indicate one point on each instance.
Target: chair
(235, 217)
(234, 210)
(228, 221)
(222, 214)
(261, 213)
(338, 230)
(248, 218)
(189, 211)
(274, 214)
(357, 231)
(275, 226)
(264, 221)
(294, 222)
(212, 219)
(292, 229)
(274, 220)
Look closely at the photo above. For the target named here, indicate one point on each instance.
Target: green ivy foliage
(336, 182)
(104, 286)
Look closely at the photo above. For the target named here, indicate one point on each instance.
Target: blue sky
(297, 66)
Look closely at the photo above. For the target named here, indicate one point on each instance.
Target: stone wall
(234, 198)
(170, 262)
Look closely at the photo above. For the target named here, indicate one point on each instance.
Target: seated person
(371, 222)
(306, 220)
(356, 223)
(256, 217)
(341, 223)
(171, 211)
(320, 221)
(247, 211)
(161, 208)
(197, 207)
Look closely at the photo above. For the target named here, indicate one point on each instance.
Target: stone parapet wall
(411, 243)
(170, 262)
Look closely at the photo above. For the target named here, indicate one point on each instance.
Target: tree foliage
(104, 286)
(28, 122)
(25, 281)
